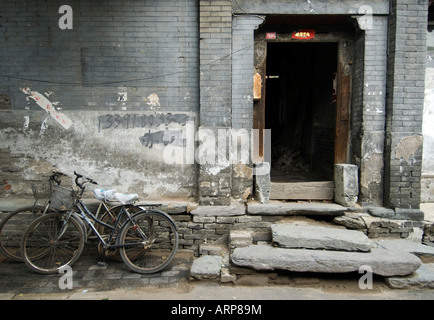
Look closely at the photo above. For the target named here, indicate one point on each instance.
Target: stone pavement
(16, 278)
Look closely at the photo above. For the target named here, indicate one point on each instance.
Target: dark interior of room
(300, 110)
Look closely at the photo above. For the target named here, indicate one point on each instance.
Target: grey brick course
(109, 46)
(406, 74)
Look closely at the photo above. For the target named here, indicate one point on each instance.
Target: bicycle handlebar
(81, 184)
(56, 175)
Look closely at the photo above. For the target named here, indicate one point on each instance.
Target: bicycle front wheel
(12, 229)
(149, 244)
(52, 242)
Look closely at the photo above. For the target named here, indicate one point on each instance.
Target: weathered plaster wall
(109, 98)
(131, 160)
(428, 128)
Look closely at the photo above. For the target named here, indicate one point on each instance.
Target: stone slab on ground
(422, 278)
(409, 214)
(207, 268)
(381, 212)
(416, 248)
(318, 237)
(350, 220)
(383, 262)
(290, 208)
(214, 211)
(314, 190)
(397, 214)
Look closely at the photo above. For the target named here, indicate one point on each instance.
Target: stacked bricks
(215, 29)
(406, 86)
(370, 108)
(211, 230)
(389, 229)
(213, 224)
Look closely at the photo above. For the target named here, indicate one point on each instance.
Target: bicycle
(147, 240)
(14, 223)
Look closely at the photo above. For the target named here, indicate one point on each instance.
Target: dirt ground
(302, 288)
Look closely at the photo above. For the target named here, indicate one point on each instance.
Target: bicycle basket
(63, 198)
(42, 191)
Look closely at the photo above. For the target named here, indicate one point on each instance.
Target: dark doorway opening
(300, 110)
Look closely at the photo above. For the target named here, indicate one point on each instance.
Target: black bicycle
(14, 223)
(147, 240)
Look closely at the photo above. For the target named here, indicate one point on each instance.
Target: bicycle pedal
(102, 263)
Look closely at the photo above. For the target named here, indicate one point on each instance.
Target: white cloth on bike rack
(126, 198)
(104, 194)
(112, 195)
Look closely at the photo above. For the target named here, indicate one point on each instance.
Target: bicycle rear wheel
(52, 242)
(12, 228)
(150, 243)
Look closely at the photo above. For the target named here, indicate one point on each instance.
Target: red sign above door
(270, 35)
(303, 34)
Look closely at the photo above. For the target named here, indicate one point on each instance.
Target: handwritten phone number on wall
(132, 121)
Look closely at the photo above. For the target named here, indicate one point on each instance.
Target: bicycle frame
(85, 213)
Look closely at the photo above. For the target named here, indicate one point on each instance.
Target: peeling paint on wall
(408, 147)
(26, 122)
(153, 101)
(48, 106)
(428, 120)
(44, 126)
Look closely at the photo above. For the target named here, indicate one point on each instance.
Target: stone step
(207, 268)
(416, 248)
(290, 208)
(383, 262)
(422, 278)
(319, 237)
(318, 190)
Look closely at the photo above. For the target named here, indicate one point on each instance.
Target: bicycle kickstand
(103, 263)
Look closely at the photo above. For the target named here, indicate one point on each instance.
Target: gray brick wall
(138, 47)
(198, 58)
(369, 108)
(215, 27)
(215, 63)
(406, 76)
(144, 46)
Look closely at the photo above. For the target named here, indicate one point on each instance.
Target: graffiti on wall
(134, 121)
(150, 121)
(166, 137)
(48, 106)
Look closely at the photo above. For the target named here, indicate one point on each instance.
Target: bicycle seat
(126, 198)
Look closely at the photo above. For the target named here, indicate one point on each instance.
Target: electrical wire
(246, 13)
(96, 84)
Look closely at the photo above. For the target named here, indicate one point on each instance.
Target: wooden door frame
(345, 43)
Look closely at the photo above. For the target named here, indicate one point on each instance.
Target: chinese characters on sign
(270, 35)
(303, 34)
(296, 35)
